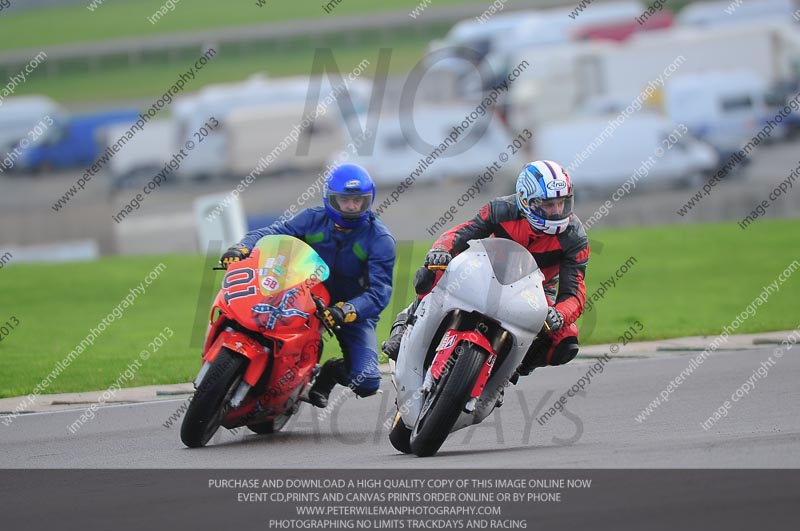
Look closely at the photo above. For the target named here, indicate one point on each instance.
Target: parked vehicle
(480, 36)
(619, 31)
(71, 142)
(770, 50)
(399, 155)
(601, 163)
(727, 12)
(556, 26)
(566, 77)
(723, 108)
(263, 342)
(18, 115)
(497, 39)
(144, 155)
(253, 133)
(465, 343)
(777, 98)
(225, 150)
(220, 101)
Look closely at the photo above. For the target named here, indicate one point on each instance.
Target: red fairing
(244, 345)
(279, 334)
(450, 341)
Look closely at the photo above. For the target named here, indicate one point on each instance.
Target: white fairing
(473, 284)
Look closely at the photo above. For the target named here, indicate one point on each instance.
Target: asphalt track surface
(598, 428)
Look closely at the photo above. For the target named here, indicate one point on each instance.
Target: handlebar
(321, 308)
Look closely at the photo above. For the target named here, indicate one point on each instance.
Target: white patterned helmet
(544, 196)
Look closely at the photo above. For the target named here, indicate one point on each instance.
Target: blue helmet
(349, 194)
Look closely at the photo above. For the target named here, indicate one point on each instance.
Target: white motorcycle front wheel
(445, 401)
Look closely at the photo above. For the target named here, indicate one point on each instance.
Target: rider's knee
(365, 387)
(565, 351)
(424, 280)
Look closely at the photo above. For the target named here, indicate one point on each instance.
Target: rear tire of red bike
(443, 405)
(210, 402)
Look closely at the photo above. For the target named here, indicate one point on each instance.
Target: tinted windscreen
(285, 261)
(510, 261)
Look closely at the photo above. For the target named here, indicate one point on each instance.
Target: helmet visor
(350, 206)
(552, 209)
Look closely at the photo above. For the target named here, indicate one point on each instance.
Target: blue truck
(70, 141)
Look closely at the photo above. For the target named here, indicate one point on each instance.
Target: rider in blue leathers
(360, 252)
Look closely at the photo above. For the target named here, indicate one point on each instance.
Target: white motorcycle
(464, 341)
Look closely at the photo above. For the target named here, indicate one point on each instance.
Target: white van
(443, 61)
(479, 36)
(723, 108)
(498, 40)
(18, 115)
(559, 25)
(562, 79)
(218, 101)
(726, 12)
(254, 133)
(144, 155)
(601, 163)
(396, 157)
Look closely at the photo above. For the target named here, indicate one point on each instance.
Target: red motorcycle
(263, 342)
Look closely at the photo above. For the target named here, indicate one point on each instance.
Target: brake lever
(321, 308)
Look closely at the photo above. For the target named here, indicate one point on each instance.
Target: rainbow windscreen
(285, 261)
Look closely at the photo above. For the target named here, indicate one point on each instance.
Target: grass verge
(686, 280)
(111, 20)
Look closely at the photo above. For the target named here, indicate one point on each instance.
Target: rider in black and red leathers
(540, 218)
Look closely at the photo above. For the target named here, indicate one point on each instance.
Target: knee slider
(565, 351)
(367, 387)
(423, 280)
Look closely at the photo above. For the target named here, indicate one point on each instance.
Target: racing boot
(391, 347)
(535, 357)
(329, 376)
(501, 399)
(564, 352)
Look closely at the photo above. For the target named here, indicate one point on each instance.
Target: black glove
(234, 254)
(554, 320)
(341, 313)
(423, 280)
(437, 256)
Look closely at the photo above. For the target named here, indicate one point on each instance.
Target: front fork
(445, 359)
(256, 354)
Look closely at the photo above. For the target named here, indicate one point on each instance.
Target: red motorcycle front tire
(211, 400)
